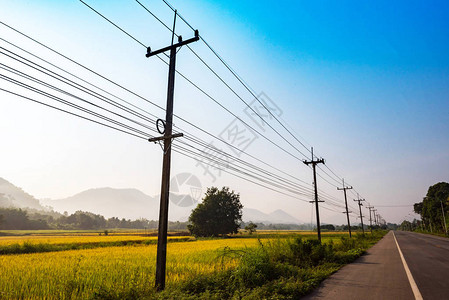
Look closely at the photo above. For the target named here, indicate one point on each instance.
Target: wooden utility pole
(167, 139)
(344, 188)
(359, 202)
(314, 163)
(370, 220)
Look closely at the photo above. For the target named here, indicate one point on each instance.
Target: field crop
(127, 271)
(81, 273)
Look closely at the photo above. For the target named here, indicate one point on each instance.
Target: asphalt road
(381, 274)
(427, 257)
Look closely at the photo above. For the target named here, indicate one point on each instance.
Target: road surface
(382, 272)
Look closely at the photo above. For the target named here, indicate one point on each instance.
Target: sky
(365, 83)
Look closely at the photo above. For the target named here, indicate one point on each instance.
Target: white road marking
(415, 289)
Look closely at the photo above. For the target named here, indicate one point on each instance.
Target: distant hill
(124, 203)
(134, 204)
(14, 196)
(109, 202)
(121, 203)
(276, 217)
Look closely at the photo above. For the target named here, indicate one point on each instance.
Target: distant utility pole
(359, 202)
(314, 163)
(375, 216)
(444, 218)
(344, 188)
(370, 220)
(167, 139)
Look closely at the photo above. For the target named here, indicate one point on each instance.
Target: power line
(68, 103)
(71, 113)
(67, 93)
(113, 24)
(181, 118)
(147, 100)
(207, 95)
(77, 77)
(82, 66)
(48, 95)
(236, 94)
(240, 79)
(227, 171)
(267, 175)
(59, 90)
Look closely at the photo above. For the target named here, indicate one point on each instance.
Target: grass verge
(276, 269)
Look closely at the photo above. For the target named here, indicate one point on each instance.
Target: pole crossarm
(175, 46)
(314, 162)
(161, 138)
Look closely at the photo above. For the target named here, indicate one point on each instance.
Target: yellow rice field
(9, 240)
(116, 269)
(80, 273)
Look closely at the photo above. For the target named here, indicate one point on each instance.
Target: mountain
(14, 196)
(134, 204)
(124, 203)
(121, 203)
(276, 217)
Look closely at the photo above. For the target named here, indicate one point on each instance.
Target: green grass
(276, 269)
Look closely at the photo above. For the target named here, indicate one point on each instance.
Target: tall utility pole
(344, 188)
(167, 138)
(375, 216)
(370, 220)
(359, 202)
(314, 163)
(444, 218)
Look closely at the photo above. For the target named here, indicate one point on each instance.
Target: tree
(430, 207)
(329, 227)
(219, 213)
(251, 227)
(17, 219)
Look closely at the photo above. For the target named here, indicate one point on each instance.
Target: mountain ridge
(14, 196)
(128, 203)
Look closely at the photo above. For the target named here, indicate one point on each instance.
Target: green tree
(219, 213)
(430, 207)
(251, 227)
(329, 227)
(17, 219)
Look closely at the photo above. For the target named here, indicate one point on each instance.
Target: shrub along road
(382, 273)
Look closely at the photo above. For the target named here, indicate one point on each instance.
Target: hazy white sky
(367, 86)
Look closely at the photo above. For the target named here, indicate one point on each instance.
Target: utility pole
(370, 220)
(375, 216)
(167, 139)
(359, 202)
(314, 163)
(444, 218)
(346, 203)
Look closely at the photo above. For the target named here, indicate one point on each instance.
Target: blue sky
(365, 83)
